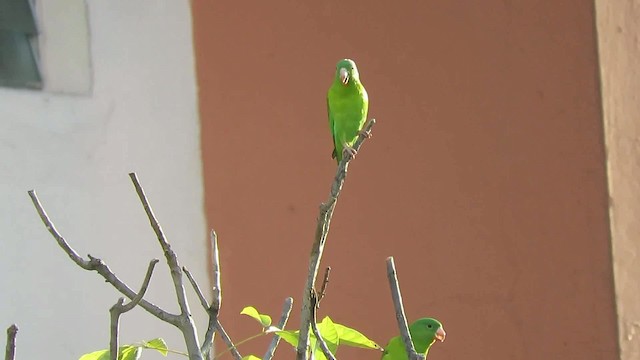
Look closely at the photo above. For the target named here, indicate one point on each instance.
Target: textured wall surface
(618, 29)
(485, 177)
(76, 152)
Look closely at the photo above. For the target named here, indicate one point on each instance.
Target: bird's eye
(429, 326)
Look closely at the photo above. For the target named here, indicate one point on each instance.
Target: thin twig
(215, 265)
(323, 288)
(399, 308)
(314, 327)
(10, 350)
(284, 317)
(227, 340)
(56, 235)
(214, 309)
(196, 288)
(322, 229)
(186, 323)
(143, 287)
(97, 265)
(120, 308)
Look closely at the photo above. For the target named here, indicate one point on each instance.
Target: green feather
(347, 106)
(424, 333)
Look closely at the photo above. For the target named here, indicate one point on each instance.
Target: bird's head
(346, 71)
(429, 327)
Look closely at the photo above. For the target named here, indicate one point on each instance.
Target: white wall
(76, 152)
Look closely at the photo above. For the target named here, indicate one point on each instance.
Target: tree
(184, 322)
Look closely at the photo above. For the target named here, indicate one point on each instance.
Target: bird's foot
(348, 150)
(366, 134)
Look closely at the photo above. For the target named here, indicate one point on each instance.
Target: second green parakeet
(347, 105)
(424, 332)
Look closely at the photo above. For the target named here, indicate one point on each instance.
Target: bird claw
(365, 133)
(350, 151)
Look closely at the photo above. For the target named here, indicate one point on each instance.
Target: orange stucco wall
(485, 178)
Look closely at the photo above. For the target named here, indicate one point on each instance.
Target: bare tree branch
(56, 235)
(284, 317)
(213, 309)
(97, 265)
(207, 343)
(316, 332)
(399, 308)
(215, 265)
(10, 350)
(186, 323)
(196, 288)
(227, 341)
(119, 308)
(323, 288)
(322, 229)
(205, 349)
(143, 288)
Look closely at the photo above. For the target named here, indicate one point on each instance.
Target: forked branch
(183, 321)
(97, 265)
(120, 308)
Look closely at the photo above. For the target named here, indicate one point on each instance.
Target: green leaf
(289, 336)
(317, 353)
(264, 320)
(352, 337)
(329, 333)
(127, 352)
(333, 334)
(96, 355)
(157, 344)
(130, 352)
(251, 357)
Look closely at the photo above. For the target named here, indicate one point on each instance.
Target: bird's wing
(334, 154)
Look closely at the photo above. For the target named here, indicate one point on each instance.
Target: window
(44, 44)
(18, 31)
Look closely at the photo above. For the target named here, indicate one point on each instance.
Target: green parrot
(424, 332)
(347, 105)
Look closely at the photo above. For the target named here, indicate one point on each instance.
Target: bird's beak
(344, 76)
(440, 334)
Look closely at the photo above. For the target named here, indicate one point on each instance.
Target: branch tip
(284, 317)
(10, 349)
(399, 309)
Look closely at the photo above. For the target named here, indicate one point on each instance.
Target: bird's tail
(334, 155)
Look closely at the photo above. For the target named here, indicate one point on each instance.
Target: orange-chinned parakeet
(347, 105)
(424, 333)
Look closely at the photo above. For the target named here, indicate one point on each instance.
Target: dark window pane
(18, 66)
(16, 15)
